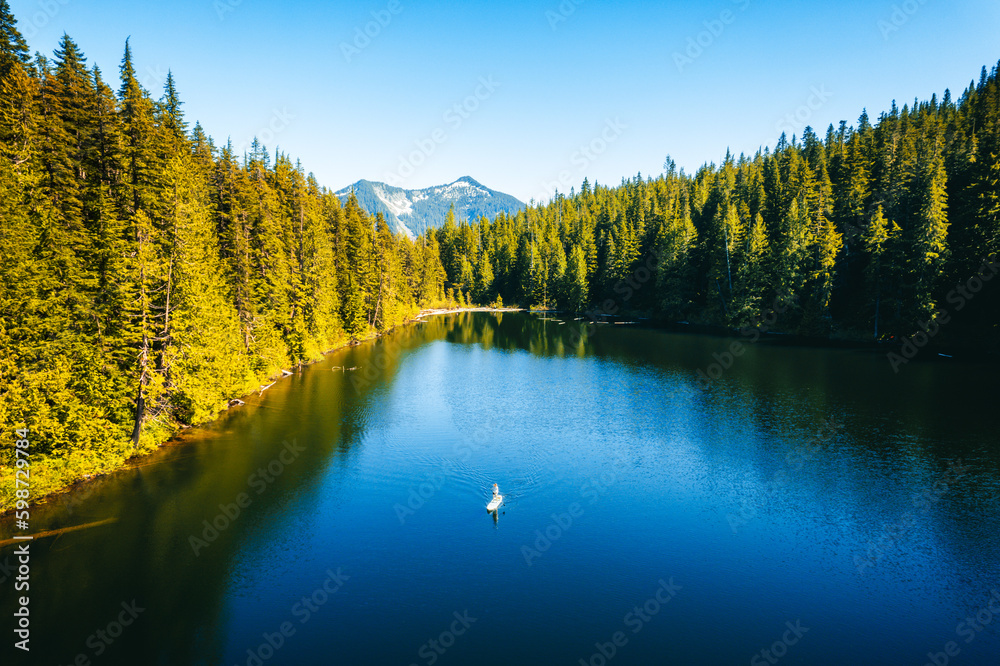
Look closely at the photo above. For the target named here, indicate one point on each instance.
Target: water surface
(804, 488)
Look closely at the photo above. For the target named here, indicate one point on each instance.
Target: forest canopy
(148, 275)
(873, 231)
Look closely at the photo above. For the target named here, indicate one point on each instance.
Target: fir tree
(13, 48)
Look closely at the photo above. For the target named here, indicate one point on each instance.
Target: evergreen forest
(150, 275)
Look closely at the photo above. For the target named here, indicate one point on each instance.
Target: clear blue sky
(560, 76)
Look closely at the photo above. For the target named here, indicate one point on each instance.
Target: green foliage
(13, 49)
(147, 277)
(864, 229)
(576, 280)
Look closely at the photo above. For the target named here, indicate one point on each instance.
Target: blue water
(808, 502)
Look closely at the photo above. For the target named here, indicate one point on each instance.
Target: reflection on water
(802, 485)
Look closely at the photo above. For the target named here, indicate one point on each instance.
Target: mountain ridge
(414, 211)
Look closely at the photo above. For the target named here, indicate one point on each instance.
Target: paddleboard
(494, 503)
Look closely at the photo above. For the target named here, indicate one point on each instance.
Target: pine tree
(576, 280)
(357, 253)
(930, 232)
(880, 241)
(147, 273)
(139, 143)
(144, 271)
(270, 309)
(207, 364)
(18, 119)
(676, 242)
(13, 48)
(321, 303)
(753, 277)
(466, 279)
(432, 277)
(484, 279)
(64, 103)
(172, 115)
(231, 203)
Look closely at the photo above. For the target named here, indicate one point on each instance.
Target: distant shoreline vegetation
(148, 276)
(879, 232)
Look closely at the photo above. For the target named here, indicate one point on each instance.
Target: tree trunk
(140, 400)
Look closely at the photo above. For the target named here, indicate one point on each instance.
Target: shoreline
(141, 459)
(959, 350)
(778, 339)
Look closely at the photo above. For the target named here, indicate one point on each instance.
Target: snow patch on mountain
(412, 212)
(398, 202)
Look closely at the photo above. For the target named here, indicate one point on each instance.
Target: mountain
(414, 211)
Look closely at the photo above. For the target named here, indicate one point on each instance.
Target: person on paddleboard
(496, 490)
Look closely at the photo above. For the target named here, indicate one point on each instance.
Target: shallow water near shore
(808, 502)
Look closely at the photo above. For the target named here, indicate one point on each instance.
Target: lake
(804, 506)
